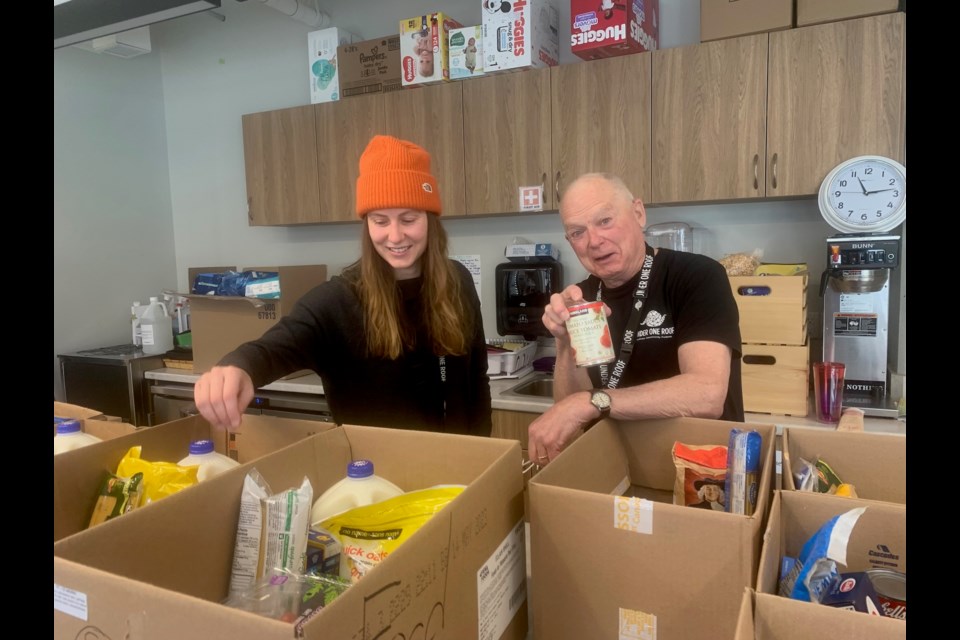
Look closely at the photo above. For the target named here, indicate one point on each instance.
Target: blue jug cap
(200, 447)
(360, 469)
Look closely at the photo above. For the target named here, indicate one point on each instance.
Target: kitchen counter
(312, 384)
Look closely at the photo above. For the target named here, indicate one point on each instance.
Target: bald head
(608, 182)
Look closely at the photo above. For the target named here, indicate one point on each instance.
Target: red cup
(828, 390)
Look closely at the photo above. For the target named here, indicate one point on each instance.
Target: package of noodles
(370, 533)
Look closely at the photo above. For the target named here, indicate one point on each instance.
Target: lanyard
(612, 381)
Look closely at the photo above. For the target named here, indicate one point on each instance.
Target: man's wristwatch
(601, 400)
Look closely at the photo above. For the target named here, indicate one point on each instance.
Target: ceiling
(77, 21)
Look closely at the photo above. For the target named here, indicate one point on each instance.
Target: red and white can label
(590, 334)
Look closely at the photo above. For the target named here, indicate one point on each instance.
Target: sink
(539, 387)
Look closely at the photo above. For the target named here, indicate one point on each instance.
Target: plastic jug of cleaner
(210, 462)
(156, 328)
(360, 488)
(70, 437)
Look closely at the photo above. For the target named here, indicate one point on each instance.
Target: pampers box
(521, 34)
(322, 58)
(603, 28)
(423, 48)
(466, 52)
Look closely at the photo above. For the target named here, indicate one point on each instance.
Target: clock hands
(865, 192)
(870, 193)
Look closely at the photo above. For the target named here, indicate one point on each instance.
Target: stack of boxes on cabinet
(773, 330)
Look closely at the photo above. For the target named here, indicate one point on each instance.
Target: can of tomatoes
(891, 587)
(590, 334)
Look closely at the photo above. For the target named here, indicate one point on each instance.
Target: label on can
(891, 588)
(590, 334)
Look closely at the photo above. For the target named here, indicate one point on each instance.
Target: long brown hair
(446, 315)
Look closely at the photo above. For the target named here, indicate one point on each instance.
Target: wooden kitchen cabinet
(835, 91)
(432, 117)
(601, 122)
(512, 425)
(506, 137)
(280, 158)
(709, 121)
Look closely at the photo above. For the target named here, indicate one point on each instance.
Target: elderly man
(675, 331)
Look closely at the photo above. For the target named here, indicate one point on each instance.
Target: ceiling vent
(128, 44)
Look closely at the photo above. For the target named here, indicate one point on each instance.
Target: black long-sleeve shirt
(325, 332)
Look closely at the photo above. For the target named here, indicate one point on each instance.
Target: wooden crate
(773, 309)
(775, 379)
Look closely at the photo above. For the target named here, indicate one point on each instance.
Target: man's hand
(553, 431)
(222, 394)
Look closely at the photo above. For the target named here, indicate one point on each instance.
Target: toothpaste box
(466, 52)
(520, 34)
(424, 48)
(605, 28)
(322, 58)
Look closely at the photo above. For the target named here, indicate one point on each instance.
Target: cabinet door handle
(774, 171)
(543, 183)
(756, 182)
(556, 189)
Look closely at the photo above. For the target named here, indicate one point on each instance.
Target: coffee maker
(523, 290)
(856, 312)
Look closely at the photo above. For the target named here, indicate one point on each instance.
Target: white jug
(156, 328)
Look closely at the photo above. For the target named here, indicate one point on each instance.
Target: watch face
(600, 400)
(865, 194)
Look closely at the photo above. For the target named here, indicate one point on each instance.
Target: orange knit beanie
(396, 173)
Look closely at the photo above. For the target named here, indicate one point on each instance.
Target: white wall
(112, 226)
(213, 72)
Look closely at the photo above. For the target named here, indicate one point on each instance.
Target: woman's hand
(222, 394)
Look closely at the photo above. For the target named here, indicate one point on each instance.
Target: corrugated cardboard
(729, 18)
(220, 324)
(430, 64)
(874, 463)
(624, 28)
(878, 540)
(162, 571)
(77, 474)
(768, 617)
(371, 66)
(817, 11)
(596, 574)
(92, 421)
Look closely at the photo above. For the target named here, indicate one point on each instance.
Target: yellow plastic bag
(160, 479)
(369, 534)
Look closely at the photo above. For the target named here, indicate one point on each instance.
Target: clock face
(865, 194)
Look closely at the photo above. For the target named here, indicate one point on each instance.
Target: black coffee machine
(523, 290)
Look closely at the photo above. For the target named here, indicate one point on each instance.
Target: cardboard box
(773, 309)
(729, 18)
(165, 569)
(775, 379)
(92, 421)
(817, 11)
(874, 463)
(768, 617)
(424, 46)
(466, 52)
(522, 34)
(77, 474)
(322, 62)
(220, 324)
(603, 29)
(878, 541)
(603, 563)
(371, 66)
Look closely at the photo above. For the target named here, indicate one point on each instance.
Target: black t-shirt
(688, 299)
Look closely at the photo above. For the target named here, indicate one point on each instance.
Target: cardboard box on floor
(819, 11)
(220, 324)
(767, 617)
(77, 474)
(164, 570)
(874, 463)
(92, 421)
(721, 19)
(602, 562)
(878, 541)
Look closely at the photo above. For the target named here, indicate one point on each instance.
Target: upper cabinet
(835, 91)
(709, 121)
(506, 138)
(601, 121)
(432, 117)
(280, 156)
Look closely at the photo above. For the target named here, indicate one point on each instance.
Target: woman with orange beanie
(398, 338)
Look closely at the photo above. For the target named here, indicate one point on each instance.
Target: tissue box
(525, 252)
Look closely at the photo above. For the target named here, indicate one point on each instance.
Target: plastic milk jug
(210, 462)
(360, 488)
(156, 328)
(70, 437)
